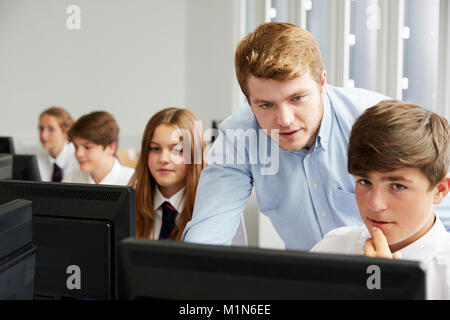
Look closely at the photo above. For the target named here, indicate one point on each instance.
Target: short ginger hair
(277, 51)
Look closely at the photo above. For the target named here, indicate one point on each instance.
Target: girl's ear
(441, 190)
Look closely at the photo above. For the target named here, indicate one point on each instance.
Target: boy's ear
(442, 189)
(112, 148)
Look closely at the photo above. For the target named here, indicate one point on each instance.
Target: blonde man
(302, 184)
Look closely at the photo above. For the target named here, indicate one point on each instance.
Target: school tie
(168, 221)
(57, 173)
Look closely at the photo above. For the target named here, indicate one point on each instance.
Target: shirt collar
(109, 176)
(425, 248)
(59, 160)
(176, 200)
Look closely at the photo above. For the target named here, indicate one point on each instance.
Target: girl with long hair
(167, 173)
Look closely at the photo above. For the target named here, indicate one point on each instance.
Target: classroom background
(133, 58)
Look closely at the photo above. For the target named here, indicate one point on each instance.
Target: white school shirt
(432, 249)
(65, 160)
(239, 239)
(176, 201)
(118, 175)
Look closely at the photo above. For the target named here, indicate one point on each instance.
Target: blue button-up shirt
(305, 193)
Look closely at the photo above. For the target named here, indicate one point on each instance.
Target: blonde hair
(144, 182)
(278, 51)
(62, 116)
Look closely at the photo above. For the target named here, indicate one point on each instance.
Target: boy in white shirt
(399, 155)
(95, 137)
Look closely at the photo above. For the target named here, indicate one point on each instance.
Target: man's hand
(378, 247)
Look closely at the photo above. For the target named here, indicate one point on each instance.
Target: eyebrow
(388, 178)
(170, 145)
(296, 94)
(396, 178)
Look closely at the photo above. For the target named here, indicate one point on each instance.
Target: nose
(165, 156)
(285, 116)
(43, 134)
(377, 200)
(79, 152)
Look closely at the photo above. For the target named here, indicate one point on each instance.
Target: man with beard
(303, 185)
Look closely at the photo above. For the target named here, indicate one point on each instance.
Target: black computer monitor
(17, 252)
(6, 166)
(25, 167)
(157, 269)
(77, 228)
(6, 145)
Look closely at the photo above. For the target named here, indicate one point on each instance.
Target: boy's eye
(299, 98)
(364, 182)
(398, 187)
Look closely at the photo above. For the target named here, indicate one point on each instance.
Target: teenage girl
(167, 173)
(58, 155)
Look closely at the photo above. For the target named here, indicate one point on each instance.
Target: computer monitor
(25, 167)
(6, 166)
(77, 228)
(158, 269)
(6, 145)
(17, 252)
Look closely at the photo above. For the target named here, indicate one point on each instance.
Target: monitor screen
(156, 269)
(17, 252)
(6, 166)
(77, 228)
(25, 167)
(6, 145)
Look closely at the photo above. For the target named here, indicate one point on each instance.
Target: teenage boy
(95, 137)
(399, 155)
(280, 71)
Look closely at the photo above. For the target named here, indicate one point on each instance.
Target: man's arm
(222, 195)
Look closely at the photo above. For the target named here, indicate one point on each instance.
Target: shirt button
(315, 185)
(324, 213)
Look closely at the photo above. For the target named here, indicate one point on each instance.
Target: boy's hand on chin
(378, 247)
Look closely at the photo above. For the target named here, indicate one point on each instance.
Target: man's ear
(323, 82)
(441, 189)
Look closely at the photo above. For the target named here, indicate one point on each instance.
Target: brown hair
(99, 127)
(394, 134)
(63, 117)
(144, 182)
(278, 51)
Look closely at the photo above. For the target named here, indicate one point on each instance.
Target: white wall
(128, 58)
(131, 58)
